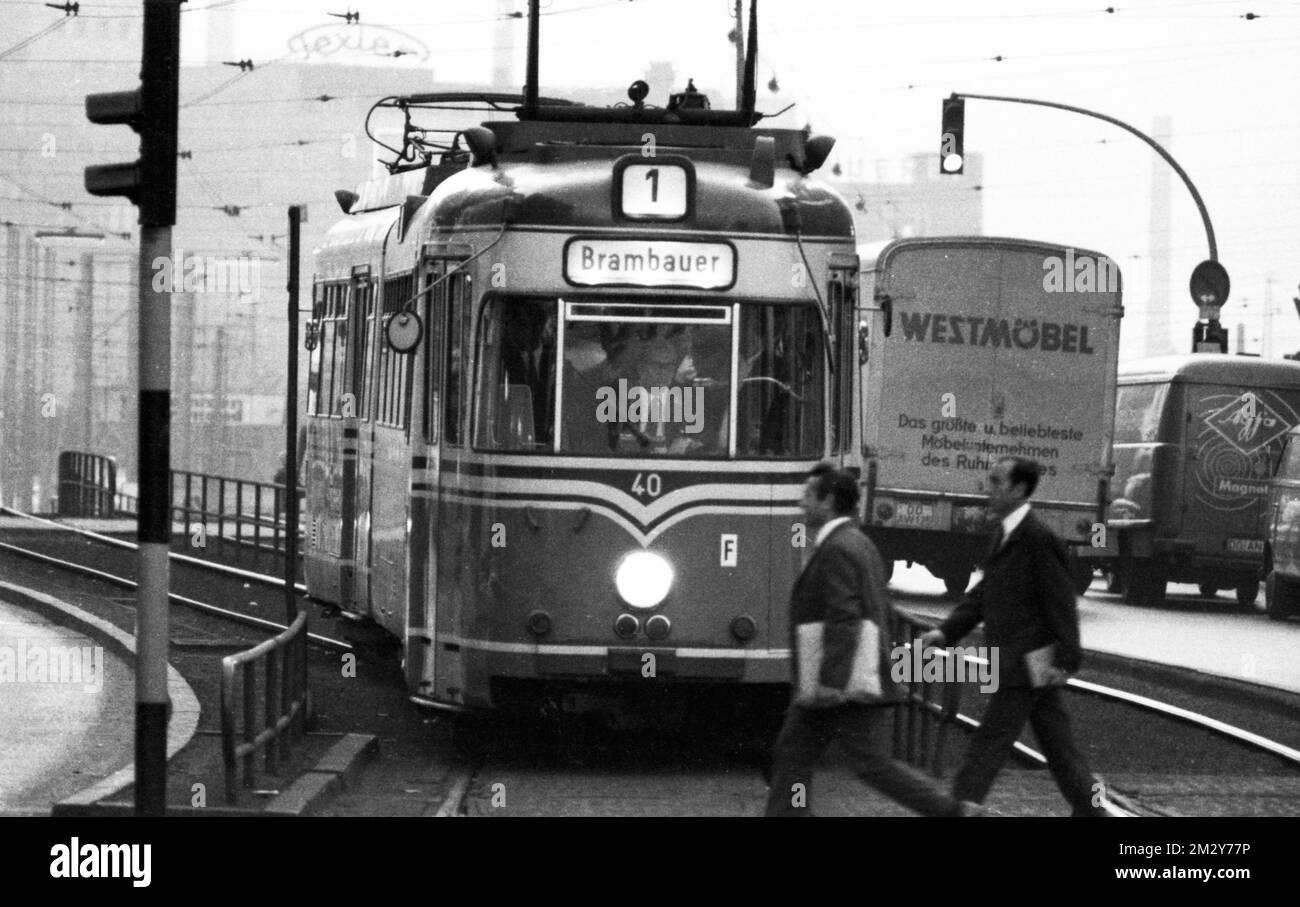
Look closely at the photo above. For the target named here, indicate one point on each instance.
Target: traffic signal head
(952, 158)
(150, 110)
(114, 108)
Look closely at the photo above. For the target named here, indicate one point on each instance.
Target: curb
(338, 769)
(184, 721)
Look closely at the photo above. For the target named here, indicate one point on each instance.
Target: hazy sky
(872, 74)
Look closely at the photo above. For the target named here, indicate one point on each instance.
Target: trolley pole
(291, 428)
(739, 14)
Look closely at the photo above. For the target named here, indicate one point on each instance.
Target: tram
(569, 371)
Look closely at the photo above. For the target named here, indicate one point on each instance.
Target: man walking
(839, 693)
(1027, 603)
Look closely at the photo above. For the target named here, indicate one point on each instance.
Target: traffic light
(150, 182)
(952, 159)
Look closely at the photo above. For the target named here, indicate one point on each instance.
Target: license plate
(914, 515)
(1245, 546)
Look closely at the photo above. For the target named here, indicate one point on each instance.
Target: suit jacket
(1026, 600)
(843, 582)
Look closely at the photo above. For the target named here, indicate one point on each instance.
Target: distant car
(1282, 534)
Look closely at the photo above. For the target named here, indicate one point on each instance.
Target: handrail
(922, 722)
(286, 703)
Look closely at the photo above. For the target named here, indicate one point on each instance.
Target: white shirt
(827, 529)
(1011, 521)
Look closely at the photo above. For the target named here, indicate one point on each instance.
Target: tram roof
(1212, 368)
(570, 185)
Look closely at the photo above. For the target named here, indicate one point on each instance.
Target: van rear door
(1234, 435)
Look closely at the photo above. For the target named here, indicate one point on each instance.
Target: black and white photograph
(651, 408)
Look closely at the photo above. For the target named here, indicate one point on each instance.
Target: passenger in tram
(641, 397)
(528, 359)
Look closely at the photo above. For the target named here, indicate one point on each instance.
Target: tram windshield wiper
(642, 438)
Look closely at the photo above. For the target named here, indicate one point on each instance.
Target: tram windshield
(637, 380)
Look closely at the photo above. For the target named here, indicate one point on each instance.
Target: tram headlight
(643, 579)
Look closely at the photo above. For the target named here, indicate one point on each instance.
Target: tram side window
(835, 309)
(516, 389)
(432, 309)
(394, 378)
(314, 363)
(367, 354)
(780, 399)
(453, 366)
(341, 347)
(329, 356)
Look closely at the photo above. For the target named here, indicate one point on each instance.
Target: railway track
(472, 789)
(184, 561)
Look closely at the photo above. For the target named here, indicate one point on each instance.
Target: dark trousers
(864, 732)
(992, 742)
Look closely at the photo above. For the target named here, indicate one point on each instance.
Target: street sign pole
(291, 428)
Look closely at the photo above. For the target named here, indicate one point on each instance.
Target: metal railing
(922, 721)
(246, 513)
(88, 486)
(286, 704)
(247, 518)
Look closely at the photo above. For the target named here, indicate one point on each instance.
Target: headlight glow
(643, 579)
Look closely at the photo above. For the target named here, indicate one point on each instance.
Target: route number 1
(654, 191)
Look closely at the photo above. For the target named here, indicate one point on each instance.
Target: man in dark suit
(842, 583)
(1026, 601)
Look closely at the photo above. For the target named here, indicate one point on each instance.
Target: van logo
(1247, 423)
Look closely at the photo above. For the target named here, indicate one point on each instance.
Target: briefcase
(864, 677)
(1039, 664)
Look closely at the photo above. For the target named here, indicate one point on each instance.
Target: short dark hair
(829, 479)
(1023, 471)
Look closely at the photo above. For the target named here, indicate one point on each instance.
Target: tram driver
(645, 396)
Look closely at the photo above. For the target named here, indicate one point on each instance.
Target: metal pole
(86, 349)
(1187, 180)
(739, 13)
(9, 388)
(531, 87)
(153, 527)
(45, 397)
(291, 427)
(159, 76)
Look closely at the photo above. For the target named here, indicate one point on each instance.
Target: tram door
(386, 547)
(426, 463)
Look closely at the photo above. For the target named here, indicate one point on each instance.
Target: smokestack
(503, 48)
(1160, 299)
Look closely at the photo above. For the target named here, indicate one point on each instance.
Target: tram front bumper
(638, 663)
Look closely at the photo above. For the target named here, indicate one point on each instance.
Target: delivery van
(1282, 533)
(1197, 438)
(977, 348)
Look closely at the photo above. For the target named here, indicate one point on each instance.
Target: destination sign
(654, 263)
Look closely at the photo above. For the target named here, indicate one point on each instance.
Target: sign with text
(640, 263)
(654, 191)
